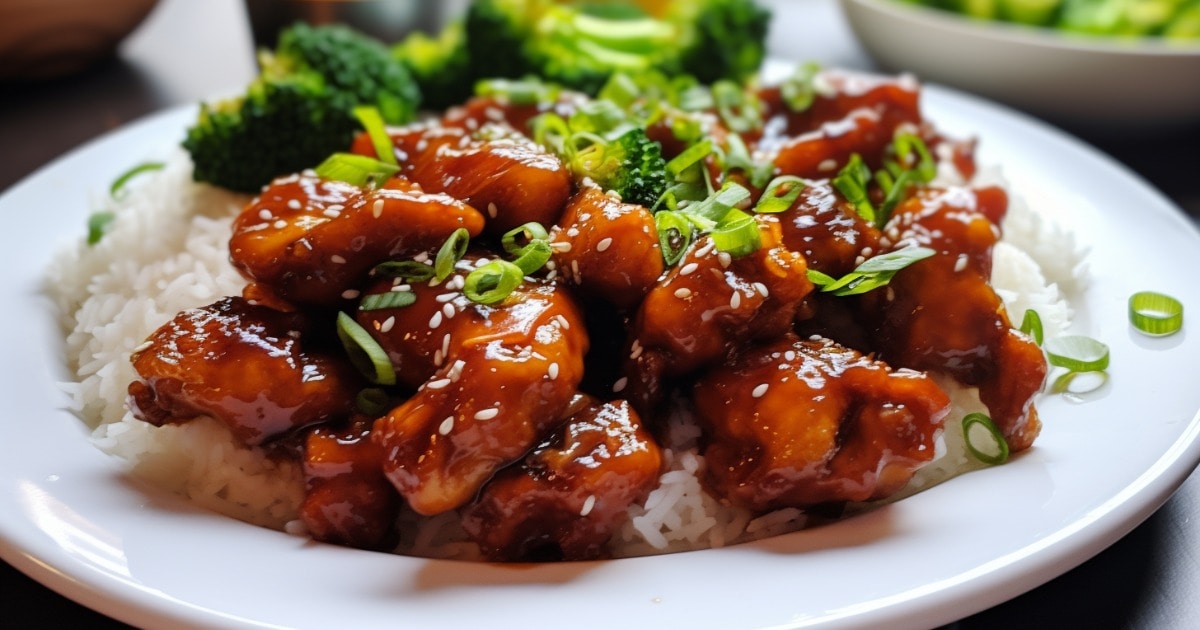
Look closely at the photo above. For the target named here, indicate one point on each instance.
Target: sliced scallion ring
(674, 235)
(984, 439)
(852, 182)
(1031, 324)
(780, 194)
(1077, 353)
(533, 256)
(410, 270)
(1155, 314)
(387, 299)
(528, 233)
(492, 282)
(118, 184)
(1079, 382)
(365, 353)
(372, 121)
(737, 234)
(356, 170)
(450, 253)
(372, 401)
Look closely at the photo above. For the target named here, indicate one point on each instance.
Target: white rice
(167, 251)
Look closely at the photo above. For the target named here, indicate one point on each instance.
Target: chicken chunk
(567, 497)
(246, 365)
(491, 381)
(798, 423)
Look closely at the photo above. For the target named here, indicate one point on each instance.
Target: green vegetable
(1155, 314)
(450, 253)
(440, 65)
(355, 169)
(300, 108)
(984, 440)
(1177, 19)
(365, 353)
(118, 186)
(875, 272)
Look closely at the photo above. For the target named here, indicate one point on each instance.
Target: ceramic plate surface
(1085, 82)
(70, 518)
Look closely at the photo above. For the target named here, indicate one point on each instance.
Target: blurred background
(101, 65)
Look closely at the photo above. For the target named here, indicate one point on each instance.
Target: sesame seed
(350, 294)
(735, 300)
(588, 504)
(575, 269)
(620, 384)
(561, 246)
(436, 320)
(337, 260)
(759, 391)
(265, 214)
(552, 371)
(456, 370)
(725, 259)
(562, 321)
(492, 209)
(280, 224)
(604, 244)
(446, 297)
(437, 358)
(688, 269)
(572, 231)
(704, 251)
(331, 213)
(961, 263)
(446, 345)
(487, 414)
(448, 310)
(387, 324)
(145, 345)
(294, 204)
(683, 293)
(446, 426)
(790, 355)
(377, 208)
(438, 384)
(762, 289)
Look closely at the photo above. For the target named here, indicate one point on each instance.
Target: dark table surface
(186, 51)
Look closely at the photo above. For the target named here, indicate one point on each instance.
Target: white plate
(1087, 82)
(70, 519)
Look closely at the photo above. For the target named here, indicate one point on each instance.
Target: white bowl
(1089, 82)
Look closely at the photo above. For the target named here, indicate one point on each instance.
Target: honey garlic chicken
(798, 423)
(248, 366)
(309, 240)
(942, 314)
(564, 499)
(708, 305)
(490, 381)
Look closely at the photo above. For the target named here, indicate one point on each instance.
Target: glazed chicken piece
(608, 248)
(347, 499)
(248, 366)
(498, 170)
(568, 496)
(798, 423)
(492, 380)
(707, 305)
(310, 240)
(827, 230)
(942, 314)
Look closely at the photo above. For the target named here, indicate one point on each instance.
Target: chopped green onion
(1031, 324)
(355, 170)
(372, 401)
(450, 253)
(532, 231)
(707, 214)
(533, 256)
(492, 282)
(388, 299)
(674, 235)
(852, 182)
(98, 225)
(372, 121)
(905, 144)
(737, 157)
(529, 91)
(1155, 314)
(798, 90)
(873, 273)
(551, 131)
(410, 270)
(739, 108)
(780, 194)
(118, 184)
(984, 440)
(365, 353)
(895, 190)
(737, 234)
(690, 156)
(1077, 353)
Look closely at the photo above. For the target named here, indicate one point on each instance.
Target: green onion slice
(529, 91)
(355, 170)
(492, 282)
(690, 156)
(780, 194)
(674, 235)
(1079, 382)
(739, 108)
(1031, 324)
(373, 401)
(372, 121)
(533, 256)
(737, 234)
(98, 225)
(1077, 353)
(409, 270)
(873, 273)
(798, 90)
(529, 233)
(450, 253)
(984, 440)
(1155, 314)
(387, 299)
(852, 182)
(905, 144)
(710, 212)
(365, 353)
(119, 183)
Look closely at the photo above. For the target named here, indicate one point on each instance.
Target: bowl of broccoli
(1108, 66)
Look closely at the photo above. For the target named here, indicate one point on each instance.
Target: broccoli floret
(721, 39)
(300, 107)
(630, 164)
(581, 45)
(440, 65)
